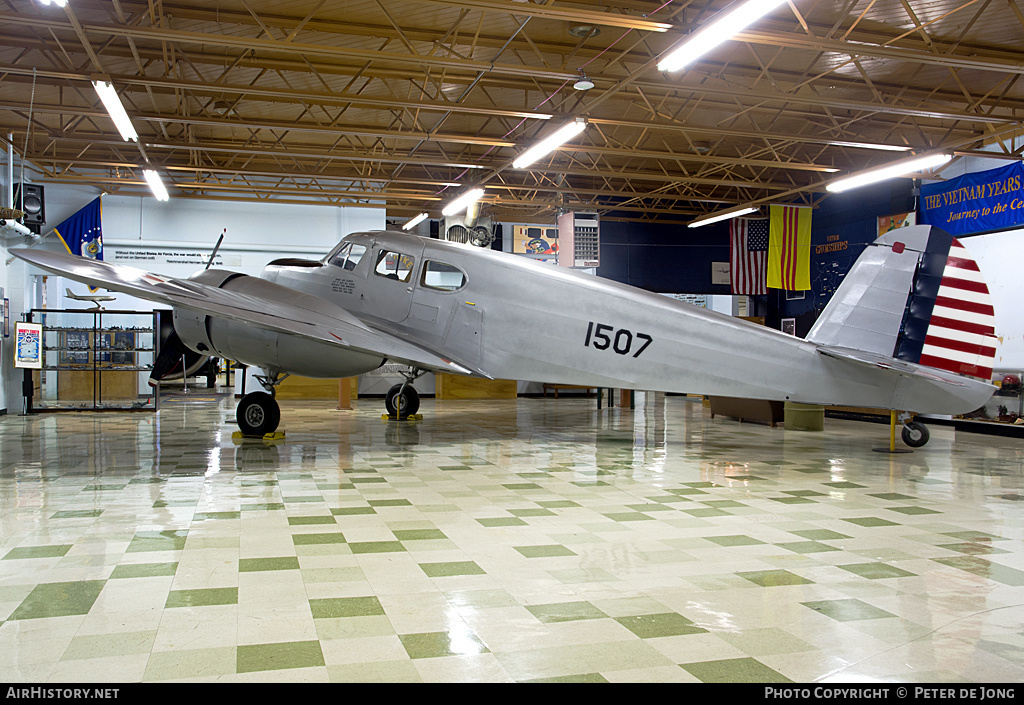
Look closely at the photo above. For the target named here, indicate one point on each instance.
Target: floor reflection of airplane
(94, 299)
(440, 306)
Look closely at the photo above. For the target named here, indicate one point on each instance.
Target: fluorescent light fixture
(871, 145)
(116, 111)
(725, 215)
(724, 27)
(415, 221)
(58, 3)
(463, 202)
(156, 185)
(550, 143)
(888, 172)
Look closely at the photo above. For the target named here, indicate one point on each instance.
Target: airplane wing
(326, 323)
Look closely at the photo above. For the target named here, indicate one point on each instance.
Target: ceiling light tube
(463, 202)
(156, 185)
(725, 215)
(888, 172)
(726, 25)
(415, 221)
(116, 111)
(550, 143)
(58, 3)
(871, 145)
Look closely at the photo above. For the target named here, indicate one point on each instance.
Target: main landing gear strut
(258, 413)
(402, 400)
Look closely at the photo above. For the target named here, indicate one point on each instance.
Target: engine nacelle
(267, 349)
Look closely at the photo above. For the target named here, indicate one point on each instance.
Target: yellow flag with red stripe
(789, 248)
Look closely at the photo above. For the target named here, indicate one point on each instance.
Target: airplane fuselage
(519, 319)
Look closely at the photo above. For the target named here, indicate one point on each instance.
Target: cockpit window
(394, 265)
(445, 277)
(348, 256)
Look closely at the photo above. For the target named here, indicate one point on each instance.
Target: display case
(95, 360)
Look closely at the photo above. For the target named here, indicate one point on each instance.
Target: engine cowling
(263, 348)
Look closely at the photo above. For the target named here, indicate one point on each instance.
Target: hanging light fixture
(725, 215)
(156, 185)
(725, 26)
(872, 176)
(463, 202)
(414, 221)
(105, 90)
(550, 143)
(584, 83)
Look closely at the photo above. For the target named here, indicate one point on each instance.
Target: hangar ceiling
(408, 102)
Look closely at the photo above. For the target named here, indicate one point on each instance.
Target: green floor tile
(912, 511)
(501, 521)
(419, 534)
(311, 521)
(24, 552)
(738, 540)
(353, 511)
(317, 539)
(439, 644)
(550, 551)
(985, 569)
(157, 541)
(774, 578)
(565, 612)
(820, 535)
(77, 514)
(143, 570)
(377, 547)
(651, 626)
(532, 512)
(252, 565)
(276, 657)
(334, 607)
(736, 670)
(807, 547)
(876, 571)
(202, 597)
(871, 521)
(390, 503)
(446, 570)
(59, 600)
(851, 610)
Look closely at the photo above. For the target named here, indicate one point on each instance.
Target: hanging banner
(978, 202)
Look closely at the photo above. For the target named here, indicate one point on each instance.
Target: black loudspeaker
(29, 198)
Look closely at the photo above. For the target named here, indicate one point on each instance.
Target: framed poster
(29, 345)
(789, 326)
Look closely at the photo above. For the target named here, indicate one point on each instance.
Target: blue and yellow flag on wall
(82, 233)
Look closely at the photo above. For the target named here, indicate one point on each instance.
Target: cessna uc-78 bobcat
(910, 328)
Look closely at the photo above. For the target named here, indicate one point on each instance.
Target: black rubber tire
(915, 434)
(258, 414)
(403, 407)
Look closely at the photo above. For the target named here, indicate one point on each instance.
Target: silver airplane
(94, 299)
(910, 328)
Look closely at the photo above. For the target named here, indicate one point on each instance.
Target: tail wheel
(402, 403)
(258, 414)
(915, 434)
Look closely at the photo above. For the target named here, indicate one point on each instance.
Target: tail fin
(917, 296)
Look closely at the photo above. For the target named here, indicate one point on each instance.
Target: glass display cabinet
(95, 359)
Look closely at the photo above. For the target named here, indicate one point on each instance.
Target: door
(391, 281)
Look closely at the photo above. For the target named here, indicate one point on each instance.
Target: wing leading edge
(287, 311)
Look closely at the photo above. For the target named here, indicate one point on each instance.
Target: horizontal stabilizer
(869, 359)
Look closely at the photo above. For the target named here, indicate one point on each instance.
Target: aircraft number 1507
(603, 336)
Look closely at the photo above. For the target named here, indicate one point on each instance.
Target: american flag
(748, 255)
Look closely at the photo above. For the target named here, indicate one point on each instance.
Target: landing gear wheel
(402, 403)
(915, 434)
(258, 414)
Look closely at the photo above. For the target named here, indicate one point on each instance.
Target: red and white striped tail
(961, 334)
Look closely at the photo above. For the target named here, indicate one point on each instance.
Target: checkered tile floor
(526, 540)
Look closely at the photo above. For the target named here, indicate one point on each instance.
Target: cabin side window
(348, 256)
(394, 265)
(443, 277)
